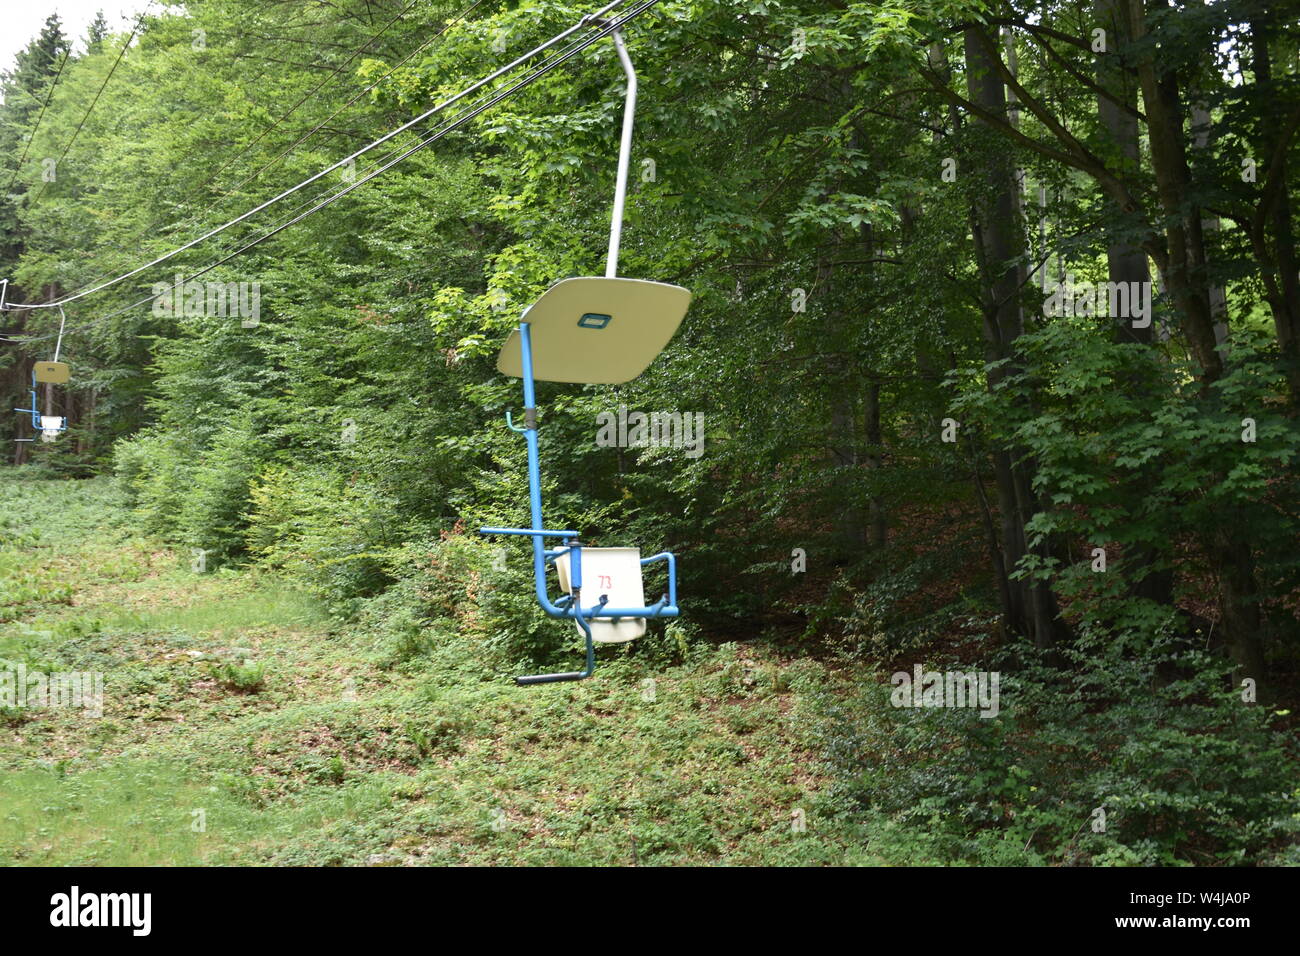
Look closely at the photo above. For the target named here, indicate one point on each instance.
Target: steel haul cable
(448, 127)
(646, 4)
(447, 26)
(553, 61)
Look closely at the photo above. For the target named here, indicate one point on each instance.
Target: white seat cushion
(615, 572)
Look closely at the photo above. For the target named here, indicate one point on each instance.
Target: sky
(21, 20)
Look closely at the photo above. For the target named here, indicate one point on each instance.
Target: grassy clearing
(241, 725)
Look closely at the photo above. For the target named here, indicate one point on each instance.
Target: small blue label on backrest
(594, 320)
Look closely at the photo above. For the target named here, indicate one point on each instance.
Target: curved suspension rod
(624, 156)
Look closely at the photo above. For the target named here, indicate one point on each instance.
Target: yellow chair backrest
(56, 373)
(597, 331)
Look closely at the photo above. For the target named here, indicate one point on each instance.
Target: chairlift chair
(50, 426)
(595, 330)
(53, 372)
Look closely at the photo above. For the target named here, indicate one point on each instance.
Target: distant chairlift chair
(596, 331)
(50, 426)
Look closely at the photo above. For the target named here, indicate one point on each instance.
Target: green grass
(234, 694)
(133, 812)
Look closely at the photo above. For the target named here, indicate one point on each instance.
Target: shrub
(212, 508)
(246, 678)
(336, 536)
(154, 475)
(1183, 772)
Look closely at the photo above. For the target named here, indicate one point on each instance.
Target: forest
(978, 446)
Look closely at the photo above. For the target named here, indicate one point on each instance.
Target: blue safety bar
(567, 606)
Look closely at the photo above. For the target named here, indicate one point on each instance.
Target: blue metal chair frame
(568, 606)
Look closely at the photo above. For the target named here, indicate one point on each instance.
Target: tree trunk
(874, 461)
(999, 243)
(1184, 272)
(1182, 258)
(1125, 262)
(1281, 278)
(1242, 621)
